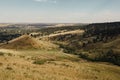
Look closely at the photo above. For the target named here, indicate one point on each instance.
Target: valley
(73, 52)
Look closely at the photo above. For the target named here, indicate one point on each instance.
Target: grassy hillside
(27, 42)
(52, 65)
(115, 44)
(88, 52)
(51, 30)
(99, 42)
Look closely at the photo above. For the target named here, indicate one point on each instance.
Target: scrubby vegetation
(85, 52)
(50, 30)
(39, 62)
(39, 66)
(99, 42)
(102, 55)
(1, 53)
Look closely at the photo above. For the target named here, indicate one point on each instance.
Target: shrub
(68, 48)
(1, 64)
(40, 62)
(9, 68)
(103, 55)
(9, 54)
(1, 54)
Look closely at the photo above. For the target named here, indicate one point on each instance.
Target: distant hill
(115, 44)
(99, 42)
(27, 42)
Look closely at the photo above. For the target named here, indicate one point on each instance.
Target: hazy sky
(61, 11)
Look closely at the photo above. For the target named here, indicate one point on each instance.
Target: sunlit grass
(56, 66)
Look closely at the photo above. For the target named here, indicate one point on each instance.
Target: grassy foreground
(52, 65)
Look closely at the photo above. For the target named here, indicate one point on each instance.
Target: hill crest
(27, 42)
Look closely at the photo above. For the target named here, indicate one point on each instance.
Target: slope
(27, 42)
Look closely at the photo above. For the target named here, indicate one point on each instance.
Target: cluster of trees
(105, 55)
(98, 32)
(94, 33)
(102, 31)
(66, 37)
(4, 37)
(102, 55)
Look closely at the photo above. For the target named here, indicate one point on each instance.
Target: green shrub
(1, 54)
(9, 54)
(68, 48)
(40, 62)
(103, 55)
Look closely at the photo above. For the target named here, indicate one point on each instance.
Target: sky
(59, 11)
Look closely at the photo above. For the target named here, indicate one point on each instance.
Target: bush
(1, 54)
(103, 55)
(9, 68)
(9, 54)
(68, 48)
(40, 62)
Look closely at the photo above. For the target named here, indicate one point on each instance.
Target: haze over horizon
(59, 11)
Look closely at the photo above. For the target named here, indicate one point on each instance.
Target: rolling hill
(28, 58)
(115, 44)
(27, 42)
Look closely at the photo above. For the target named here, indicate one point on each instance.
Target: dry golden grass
(65, 33)
(27, 42)
(63, 67)
(113, 44)
(4, 25)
